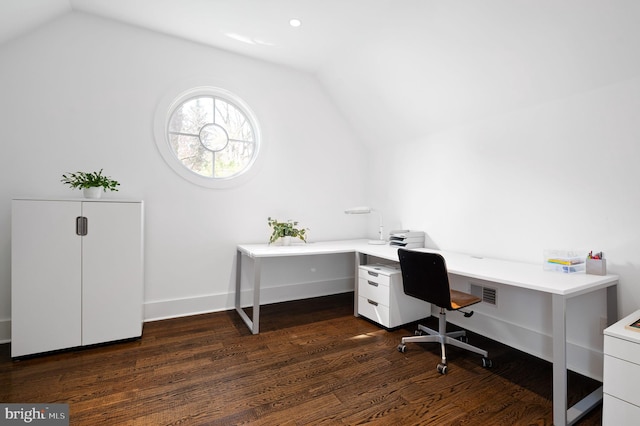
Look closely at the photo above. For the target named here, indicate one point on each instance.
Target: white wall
(512, 127)
(81, 93)
(559, 175)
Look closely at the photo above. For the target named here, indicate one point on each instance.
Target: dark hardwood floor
(313, 363)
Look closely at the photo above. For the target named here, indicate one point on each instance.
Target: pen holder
(597, 266)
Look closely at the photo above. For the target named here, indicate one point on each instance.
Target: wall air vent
(487, 294)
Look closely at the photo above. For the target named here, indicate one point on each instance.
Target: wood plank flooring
(313, 363)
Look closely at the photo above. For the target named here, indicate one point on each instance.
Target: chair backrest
(424, 276)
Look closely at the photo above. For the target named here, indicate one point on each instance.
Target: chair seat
(460, 299)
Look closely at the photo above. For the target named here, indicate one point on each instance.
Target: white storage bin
(566, 261)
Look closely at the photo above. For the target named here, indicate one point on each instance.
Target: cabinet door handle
(373, 274)
(82, 226)
(371, 302)
(375, 284)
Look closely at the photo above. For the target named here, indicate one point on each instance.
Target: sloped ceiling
(436, 65)
(18, 17)
(258, 28)
(399, 69)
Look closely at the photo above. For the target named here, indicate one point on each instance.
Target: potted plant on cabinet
(285, 231)
(91, 183)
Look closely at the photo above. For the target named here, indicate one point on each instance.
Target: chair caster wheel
(442, 368)
(487, 363)
(418, 333)
(402, 348)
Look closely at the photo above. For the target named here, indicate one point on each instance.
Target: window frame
(165, 110)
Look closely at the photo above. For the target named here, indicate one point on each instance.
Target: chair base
(441, 336)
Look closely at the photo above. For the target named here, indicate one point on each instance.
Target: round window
(210, 135)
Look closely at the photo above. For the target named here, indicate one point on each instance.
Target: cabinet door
(45, 276)
(112, 274)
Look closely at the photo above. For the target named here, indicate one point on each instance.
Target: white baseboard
(582, 360)
(5, 330)
(299, 291)
(174, 308)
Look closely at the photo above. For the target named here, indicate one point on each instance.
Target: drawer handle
(371, 302)
(372, 283)
(373, 274)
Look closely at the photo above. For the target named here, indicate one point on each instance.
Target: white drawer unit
(381, 297)
(621, 399)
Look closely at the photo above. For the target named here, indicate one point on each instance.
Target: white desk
(259, 251)
(560, 286)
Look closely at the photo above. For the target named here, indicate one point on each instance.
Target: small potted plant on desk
(91, 183)
(285, 231)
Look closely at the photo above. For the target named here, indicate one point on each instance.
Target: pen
(597, 256)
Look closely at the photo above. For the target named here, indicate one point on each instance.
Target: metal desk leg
(238, 278)
(257, 266)
(254, 325)
(561, 415)
(612, 304)
(559, 323)
(360, 259)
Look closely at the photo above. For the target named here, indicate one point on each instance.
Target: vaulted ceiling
(258, 28)
(410, 66)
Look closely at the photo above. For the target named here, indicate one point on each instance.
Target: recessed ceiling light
(295, 22)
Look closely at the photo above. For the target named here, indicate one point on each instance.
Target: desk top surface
(301, 248)
(525, 275)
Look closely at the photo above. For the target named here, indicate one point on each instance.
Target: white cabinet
(70, 289)
(381, 297)
(621, 399)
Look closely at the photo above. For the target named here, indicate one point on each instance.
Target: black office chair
(424, 276)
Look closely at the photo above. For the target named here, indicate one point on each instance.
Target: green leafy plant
(80, 180)
(286, 229)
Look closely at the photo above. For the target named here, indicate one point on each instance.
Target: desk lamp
(367, 210)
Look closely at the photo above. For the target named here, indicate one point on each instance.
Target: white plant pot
(286, 241)
(95, 192)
